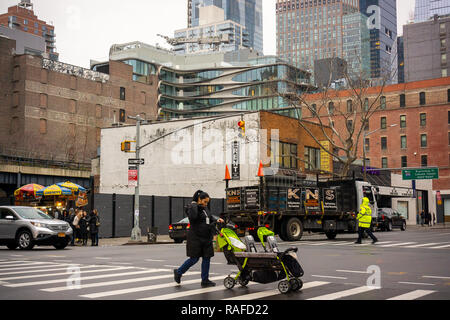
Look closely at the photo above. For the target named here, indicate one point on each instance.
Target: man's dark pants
(369, 233)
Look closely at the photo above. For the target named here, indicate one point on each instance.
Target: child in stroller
(262, 267)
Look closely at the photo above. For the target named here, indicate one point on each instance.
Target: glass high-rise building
(426, 9)
(247, 13)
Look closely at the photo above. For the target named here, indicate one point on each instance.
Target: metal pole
(136, 232)
(364, 158)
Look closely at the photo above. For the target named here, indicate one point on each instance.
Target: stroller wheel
(296, 284)
(284, 286)
(229, 283)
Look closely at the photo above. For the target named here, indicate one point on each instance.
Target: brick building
(54, 111)
(411, 124)
(21, 17)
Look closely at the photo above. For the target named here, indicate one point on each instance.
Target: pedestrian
(84, 227)
(429, 221)
(199, 238)
(94, 224)
(422, 217)
(434, 218)
(365, 221)
(71, 219)
(76, 224)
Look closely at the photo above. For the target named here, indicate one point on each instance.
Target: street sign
(235, 161)
(421, 174)
(136, 162)
(132, 178)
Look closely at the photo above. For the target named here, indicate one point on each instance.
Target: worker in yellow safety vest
(365, 220)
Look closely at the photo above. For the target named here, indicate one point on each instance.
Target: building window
(443, 58)
(287, 158)
(366, 104)
(383, 124)
(423, 119)
(350, 125)
(331, 108)
(312, 158)
(422, 98)
(423, 141)
(403, 142)
(383, 103)
(43, 126)
(404, 161)
(122, 93)
(403, 121)
(448, 95)
(349, 106)
(384, 163)
(444, 73)
(383, 143)
(402, 101)
(367, 144)
(424, 161)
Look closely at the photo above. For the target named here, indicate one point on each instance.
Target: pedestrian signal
(126, 146)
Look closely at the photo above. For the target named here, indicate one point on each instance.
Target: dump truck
(291, 206)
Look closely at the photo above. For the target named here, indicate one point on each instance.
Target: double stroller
(269, 266)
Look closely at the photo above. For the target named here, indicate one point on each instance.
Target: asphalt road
(410, 265)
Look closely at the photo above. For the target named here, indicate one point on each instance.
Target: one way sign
(136, 162)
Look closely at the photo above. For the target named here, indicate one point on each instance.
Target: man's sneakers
(357, 242)
(176, 276)
(374, 241)
(208, 283)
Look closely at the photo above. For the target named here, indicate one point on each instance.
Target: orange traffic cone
(227, 173)
(261, 170)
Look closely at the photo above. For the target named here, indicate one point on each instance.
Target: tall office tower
(426, 9)
(21, 17)
(311, 30)
(247, 13)
(382, 23)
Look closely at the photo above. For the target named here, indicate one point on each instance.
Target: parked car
(390, 218)
(178, 231)
(25, 227)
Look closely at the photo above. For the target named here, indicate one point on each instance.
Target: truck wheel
(293, 229)
(331, 235)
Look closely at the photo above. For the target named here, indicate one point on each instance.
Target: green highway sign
(421, 174)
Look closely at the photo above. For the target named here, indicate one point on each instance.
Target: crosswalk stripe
(441, 247)
(63, 273)
(423, 245)
(384, 242)
(11, 261)
(264, 294)
(27, 263)
(32, 267)
(322, 243)
(343, 294)
(435, 277)
(416, 294)
(352, 271)
(188, 293)
(36, 283)
(62, 267)
(140, 289)
(343, 243)
(116, 282)
(397, 244)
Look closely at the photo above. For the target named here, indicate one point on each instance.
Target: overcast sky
(86, 29)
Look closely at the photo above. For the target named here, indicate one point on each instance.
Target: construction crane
(215, 41)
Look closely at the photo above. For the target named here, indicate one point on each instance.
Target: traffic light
(241, 125)
(126, 146)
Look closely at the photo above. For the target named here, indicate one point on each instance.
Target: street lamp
(366, 134)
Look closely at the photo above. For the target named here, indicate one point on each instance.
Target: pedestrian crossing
(106, 281)
(381, 244)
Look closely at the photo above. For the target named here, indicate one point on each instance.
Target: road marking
(352, 271)
(140, 289)
(322, 243)
(55, 256)
(397, 244)
(331, 277)
(115, 282)
(188, 293)
(170, 266)
(16, 255)
(423, 245)
(103, 258)
(28, 263)
(32, 267)
(343, 243)
(27, 284)
(343, 294)
(122, 263)
(418, 283)
(154, 260)
(384, 242)
(264, 294)
(412, 295)
(11, 261)
(435, 277)
(45, 270)
(64, 273)
(441, 247)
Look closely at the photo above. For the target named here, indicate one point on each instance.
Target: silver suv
(25, 227)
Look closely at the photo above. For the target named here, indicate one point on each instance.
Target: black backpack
(292, 264)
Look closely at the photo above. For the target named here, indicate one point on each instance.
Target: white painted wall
(181, 163)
